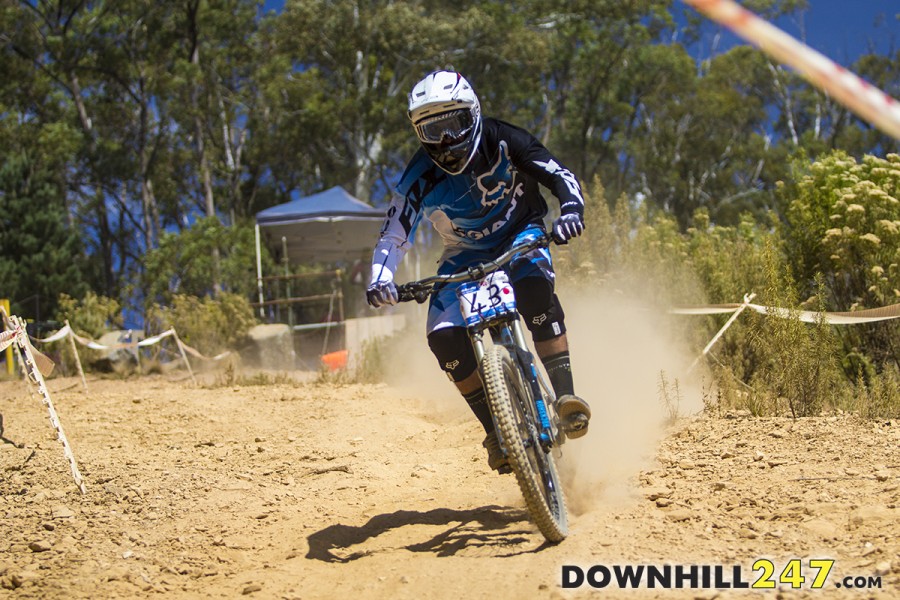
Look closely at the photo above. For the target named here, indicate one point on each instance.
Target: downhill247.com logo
(795, 574)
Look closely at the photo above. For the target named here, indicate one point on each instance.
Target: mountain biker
(476, 178)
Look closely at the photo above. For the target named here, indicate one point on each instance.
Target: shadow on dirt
(6, 440)
(484, 526)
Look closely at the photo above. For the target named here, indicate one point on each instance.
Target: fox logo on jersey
(495, 184)
(496, 224)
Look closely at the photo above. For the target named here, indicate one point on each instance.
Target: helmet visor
(449, 128)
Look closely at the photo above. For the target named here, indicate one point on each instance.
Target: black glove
(567, 226)
(382, 293)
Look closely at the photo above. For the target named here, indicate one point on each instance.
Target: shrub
(798, 367)
(203, 259)
(843, 220)
(91, 317)
(209, 325)
(878, 397)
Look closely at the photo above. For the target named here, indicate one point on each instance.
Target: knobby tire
(535, 470)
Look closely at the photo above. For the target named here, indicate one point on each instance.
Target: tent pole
(259, 284)
(287, 272)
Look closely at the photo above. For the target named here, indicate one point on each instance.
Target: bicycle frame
(521, 403)
(507, 331)
(504, 329)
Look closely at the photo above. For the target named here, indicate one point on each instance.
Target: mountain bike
(522, 402)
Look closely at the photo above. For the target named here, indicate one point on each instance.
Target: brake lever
(559, 241)
(405, 293)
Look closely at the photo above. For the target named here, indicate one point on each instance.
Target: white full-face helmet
(446, 115)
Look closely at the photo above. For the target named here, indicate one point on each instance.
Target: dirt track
(305, 490)
(317, 491)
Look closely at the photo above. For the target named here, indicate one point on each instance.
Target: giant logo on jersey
(496, 183)
(497, 222)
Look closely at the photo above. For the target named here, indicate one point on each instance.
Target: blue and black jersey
(484, 207)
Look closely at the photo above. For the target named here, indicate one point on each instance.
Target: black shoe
(574, 415)
(496, 458)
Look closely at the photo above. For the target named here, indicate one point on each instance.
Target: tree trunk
(104, 233)
(205, 174)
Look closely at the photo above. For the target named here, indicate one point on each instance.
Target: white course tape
(59, 335)
(156, 338)
(866, 100)
(834, 318)
(89, 343)
(870, 315)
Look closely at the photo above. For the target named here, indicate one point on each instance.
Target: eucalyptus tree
(352, 64)
(44, 55)
(883, 70)
(503, 49)
(222, 67)
(41, 253)
(107, 63)
(40, 256)
(585, 80)
(728, 164)
(349, 67)
(828, 125)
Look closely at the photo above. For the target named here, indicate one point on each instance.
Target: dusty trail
(317, 491)
(305, 490)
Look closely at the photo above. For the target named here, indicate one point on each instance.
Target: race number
(485, 299)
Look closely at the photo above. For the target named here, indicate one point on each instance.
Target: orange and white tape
(8, 338)
(864, 99)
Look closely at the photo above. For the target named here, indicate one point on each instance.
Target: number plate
(486, 299)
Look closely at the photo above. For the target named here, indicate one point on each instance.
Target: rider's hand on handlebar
(382, 293)
(566, 227)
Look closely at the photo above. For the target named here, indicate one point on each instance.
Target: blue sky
(839, 29)
(842, 30)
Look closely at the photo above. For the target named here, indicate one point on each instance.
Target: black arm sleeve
(532, 157)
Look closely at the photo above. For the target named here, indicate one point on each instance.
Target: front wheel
(508, 396)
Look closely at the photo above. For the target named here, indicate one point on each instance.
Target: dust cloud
(412, 370)
(622, 353)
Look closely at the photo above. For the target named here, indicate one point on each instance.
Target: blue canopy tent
(329, 227)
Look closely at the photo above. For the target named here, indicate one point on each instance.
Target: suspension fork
(545, 388)
(535, 379)
(477, 338)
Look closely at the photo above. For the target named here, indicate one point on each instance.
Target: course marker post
(746, 303)
(187, 363)
(34, 375)
(71, 337)
(4, 303)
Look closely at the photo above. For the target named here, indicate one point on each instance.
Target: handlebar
(421, 289)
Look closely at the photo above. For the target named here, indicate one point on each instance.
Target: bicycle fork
(511, 335)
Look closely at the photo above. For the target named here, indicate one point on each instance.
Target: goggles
(449, 128)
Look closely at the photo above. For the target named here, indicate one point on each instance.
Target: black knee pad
(453, 350)
(540, 308)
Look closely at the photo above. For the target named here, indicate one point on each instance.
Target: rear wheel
(508, 395)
